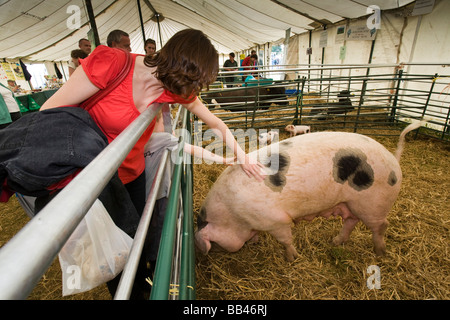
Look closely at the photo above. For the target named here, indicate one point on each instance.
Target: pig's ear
(203, 244)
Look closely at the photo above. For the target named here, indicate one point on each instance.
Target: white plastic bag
(95, 253)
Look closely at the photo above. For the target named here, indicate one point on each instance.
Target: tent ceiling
(37, 30)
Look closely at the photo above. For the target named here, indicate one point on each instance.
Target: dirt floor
(417, 265)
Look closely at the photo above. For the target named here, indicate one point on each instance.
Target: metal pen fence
(175, 266)
(381, 98)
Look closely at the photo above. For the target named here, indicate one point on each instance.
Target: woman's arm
(250, 166)
(77, 89)
(204, 154)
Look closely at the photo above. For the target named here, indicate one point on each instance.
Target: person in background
(119, 39)
(85, 46)
(9, 108)
(230, 65)
(249, 62)
(76, 55)
(150, 47)
(14, 87)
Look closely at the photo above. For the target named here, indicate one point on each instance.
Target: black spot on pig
(351, 165)
(279, 163)
(347, 166)
(392, 179)
(362, 178)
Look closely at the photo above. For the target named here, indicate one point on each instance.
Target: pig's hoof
(381, 251)
(338, 240)
(291, 255)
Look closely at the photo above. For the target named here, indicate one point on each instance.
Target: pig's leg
(349, 224)
(284, 235)
(347, 228)
(374, 217)
(378, 229)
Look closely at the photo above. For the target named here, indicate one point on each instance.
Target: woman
(75, 56)
(149, 47)
(176, 74)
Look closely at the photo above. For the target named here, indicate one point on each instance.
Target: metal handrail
(26, 257)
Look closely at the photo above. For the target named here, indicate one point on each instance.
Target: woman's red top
(117, 110)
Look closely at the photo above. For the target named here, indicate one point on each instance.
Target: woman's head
(187, 63)
(77, 54)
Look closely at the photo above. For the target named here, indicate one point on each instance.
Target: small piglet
(266, 137)
(321, 174)
(294, 130)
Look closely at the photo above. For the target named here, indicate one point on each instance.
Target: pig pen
(417, 264)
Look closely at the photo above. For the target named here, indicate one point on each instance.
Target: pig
(294, 130)
(321, 174)
(267, 137)
(342, 106)
(235, 99)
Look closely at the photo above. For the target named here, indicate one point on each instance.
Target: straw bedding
(417, 265)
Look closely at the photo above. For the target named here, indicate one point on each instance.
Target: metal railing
(381, 95)
(27, 256)
(174, 273)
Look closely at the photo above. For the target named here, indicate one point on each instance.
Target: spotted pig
(320, 174)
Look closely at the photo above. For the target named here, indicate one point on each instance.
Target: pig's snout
(202, 243)
(201, 235)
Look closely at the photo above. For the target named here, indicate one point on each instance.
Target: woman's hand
(253, 169)
(250, 166)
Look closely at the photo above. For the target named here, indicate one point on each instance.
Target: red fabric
(246, 62)
(6, 192)
(64, 182)
(117, 110)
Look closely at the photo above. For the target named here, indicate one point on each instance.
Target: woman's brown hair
(187, 63)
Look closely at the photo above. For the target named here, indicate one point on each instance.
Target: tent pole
(309, 59)
(62, 68)
(142, 21)
(371, 54)
(159, 30)
(157, 15)
(323, 59)
(92, 21)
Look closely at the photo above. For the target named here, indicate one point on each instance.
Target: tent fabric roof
(48, 30)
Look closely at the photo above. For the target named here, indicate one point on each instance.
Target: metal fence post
(397, 91)
(161, 281)
(433, 81)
